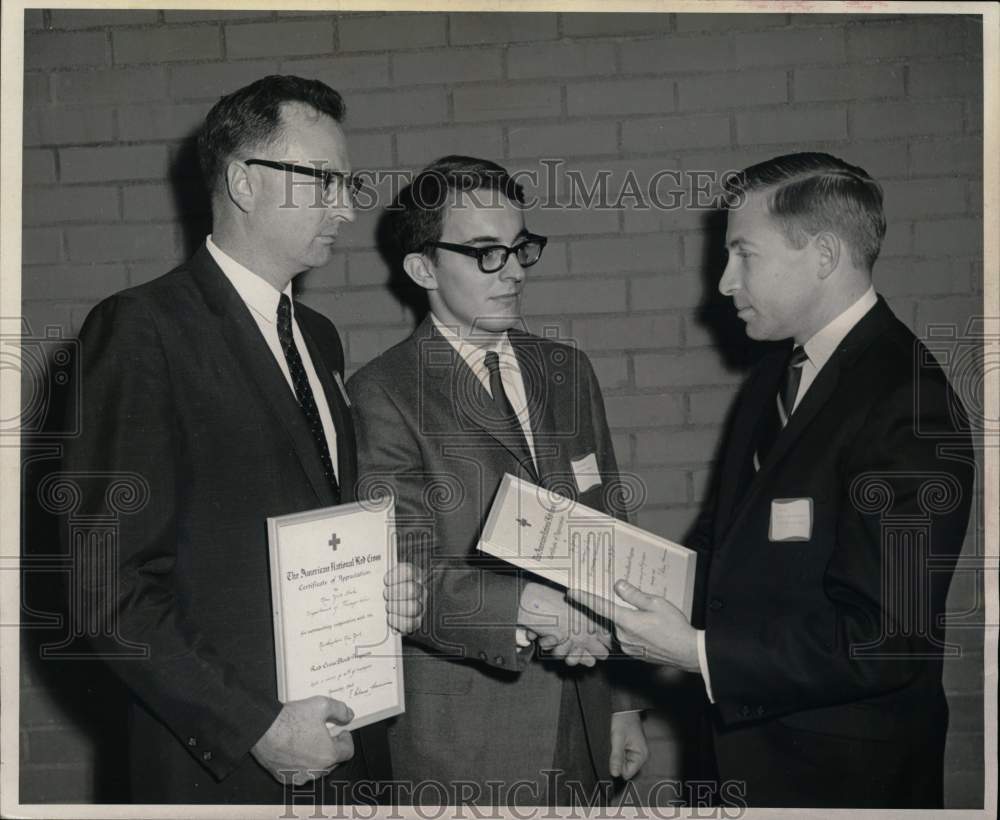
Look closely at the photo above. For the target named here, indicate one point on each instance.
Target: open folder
(577, 547)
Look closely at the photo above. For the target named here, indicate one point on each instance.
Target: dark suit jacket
(470, 710)
(825, 654)
(181, 392)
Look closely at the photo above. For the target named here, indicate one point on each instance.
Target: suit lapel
(341, 414)
(818, 395)
(737, 467)
(457, 387)
(541, 406)
(253, 355)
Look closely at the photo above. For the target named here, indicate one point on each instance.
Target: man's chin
(497, 324)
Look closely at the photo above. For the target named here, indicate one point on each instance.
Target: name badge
(791, 519)
(586, 472)
(340, 384)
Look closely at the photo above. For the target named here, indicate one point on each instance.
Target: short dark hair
(251, 118)
(810, 192)
(418, 212)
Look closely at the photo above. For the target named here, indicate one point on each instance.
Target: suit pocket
(426, 674)
(862, 720)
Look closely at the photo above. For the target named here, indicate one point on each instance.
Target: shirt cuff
(521, 637)
(628, 711)
(703, 665)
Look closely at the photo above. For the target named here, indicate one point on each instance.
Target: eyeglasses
(335, 183)
(492, 258)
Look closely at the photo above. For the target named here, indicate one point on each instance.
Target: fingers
(401, 572)
(343, 745)
(405, 601)
(336, 711)
(547, 642)
(402, 624)
(407, 607)
(599, 606)
(617, 757)
(631, 768)
(635, 596)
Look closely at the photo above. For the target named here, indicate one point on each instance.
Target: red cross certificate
(331, 636)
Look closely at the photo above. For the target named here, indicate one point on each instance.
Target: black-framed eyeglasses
(492, 258)
(335, 183)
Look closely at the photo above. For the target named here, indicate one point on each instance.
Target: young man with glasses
(224, 399)
(504, 704)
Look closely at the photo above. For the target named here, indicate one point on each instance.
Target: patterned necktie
(303, 392)
(784, 402)
(505, 414)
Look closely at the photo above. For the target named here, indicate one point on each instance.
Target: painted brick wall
(111, 99)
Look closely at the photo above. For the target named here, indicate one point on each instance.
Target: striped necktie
(784, 402)
(303, 392)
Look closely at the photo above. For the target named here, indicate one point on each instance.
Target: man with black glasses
(469, 396)
(223, 400)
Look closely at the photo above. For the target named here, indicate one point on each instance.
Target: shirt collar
(821, 346)
(473, 354)
(258, 295)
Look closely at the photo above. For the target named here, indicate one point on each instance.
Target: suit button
(206, 756)
(192, 741)
(483, 656)
(499, 660)
(716, 604)
(760, 711)
(745, 711)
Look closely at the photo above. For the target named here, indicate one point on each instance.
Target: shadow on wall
(192, 202)
(72, 708)
(409, 293)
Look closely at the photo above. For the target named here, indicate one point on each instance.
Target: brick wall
(111, 99)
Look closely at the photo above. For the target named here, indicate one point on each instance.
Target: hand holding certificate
(577, 547)
(328, 589)
(642, 582)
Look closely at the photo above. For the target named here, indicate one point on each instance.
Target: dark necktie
(303, 392)
(784, 402)
(505, 415)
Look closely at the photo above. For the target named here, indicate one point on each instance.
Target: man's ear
(419, 269)
(239, 186)
(828, 248)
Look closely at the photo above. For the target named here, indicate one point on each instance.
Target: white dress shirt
(474, 356)
(261, 298)
(818, 350)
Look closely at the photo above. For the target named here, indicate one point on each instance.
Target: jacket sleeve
(472, 605)
(128, 431)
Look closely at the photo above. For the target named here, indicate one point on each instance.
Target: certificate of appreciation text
(331, 635)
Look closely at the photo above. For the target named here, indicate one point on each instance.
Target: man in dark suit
(840, 511)
(224, 400)
(441, 418)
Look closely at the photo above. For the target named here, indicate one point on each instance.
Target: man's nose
(512, 270)
(343, 209)
(729, 282)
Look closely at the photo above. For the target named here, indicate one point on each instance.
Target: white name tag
(586, 472)
(791, 519)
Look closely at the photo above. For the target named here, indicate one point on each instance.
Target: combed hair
(418, 212)
(250, 118)
(812, 192)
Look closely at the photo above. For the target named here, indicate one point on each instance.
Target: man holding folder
(441, 418)
(842, 503)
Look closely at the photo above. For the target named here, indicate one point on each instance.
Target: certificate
(331, 636)
(576, 546)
